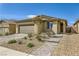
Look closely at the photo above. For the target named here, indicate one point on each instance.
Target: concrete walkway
(46, 49)
(9, 52)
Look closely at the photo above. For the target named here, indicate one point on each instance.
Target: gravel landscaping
(32, 45)
(23, 45)
(68, 46)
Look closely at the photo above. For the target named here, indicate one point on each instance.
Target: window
(50, 25)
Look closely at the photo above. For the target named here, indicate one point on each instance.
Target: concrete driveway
(13, 36)
(9, 52)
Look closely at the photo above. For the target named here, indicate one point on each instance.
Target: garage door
(26, 29)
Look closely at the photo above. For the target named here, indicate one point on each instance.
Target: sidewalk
(9, 52)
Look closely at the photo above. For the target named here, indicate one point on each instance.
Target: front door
(61, 27)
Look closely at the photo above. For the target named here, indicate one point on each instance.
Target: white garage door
(26, 29)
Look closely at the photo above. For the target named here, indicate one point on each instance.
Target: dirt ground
(23, 47)
(68, 46)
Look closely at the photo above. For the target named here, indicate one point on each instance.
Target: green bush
(12, 41)
(30, 45)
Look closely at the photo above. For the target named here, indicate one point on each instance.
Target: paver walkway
(46, 49)
(9, 52)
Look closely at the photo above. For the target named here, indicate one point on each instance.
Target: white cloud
(31, 16)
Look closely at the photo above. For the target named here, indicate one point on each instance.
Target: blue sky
(67, 11)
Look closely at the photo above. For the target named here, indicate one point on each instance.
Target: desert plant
(6, 33)
(30, 38)
(25, 37)
(38, 38)
(1, 34)
(29, 35)
(12, 41)
(20, 42)
(30, 45)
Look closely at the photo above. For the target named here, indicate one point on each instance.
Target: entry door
(61, 27)
(50, 25)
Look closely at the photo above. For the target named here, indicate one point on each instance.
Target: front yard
(25, 44)
(34, 45)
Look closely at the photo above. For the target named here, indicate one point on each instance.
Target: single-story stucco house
(41, 23)
(76, 26)
(36, 25)
(7, 27)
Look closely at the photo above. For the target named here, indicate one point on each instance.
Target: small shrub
(6, 33)
(30, 39)
(1, 34)
(30, 35)
(25, 38)
(30, 45)
(12, 41)
(38, 38)
(20, 42)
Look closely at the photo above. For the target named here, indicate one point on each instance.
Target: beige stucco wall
(17, 29)
(22, 23)
(12, 28)
(37, 27)
(55, 27)
(4, 25)
(76, 26)
(3, 31)
(40, 26)
(64, 27)
(43, 26)
(7, 28)
(58, 27)
(4, 28)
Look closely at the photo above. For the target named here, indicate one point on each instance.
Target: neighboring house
(7, 27)
(76, 26)
(41, 24)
